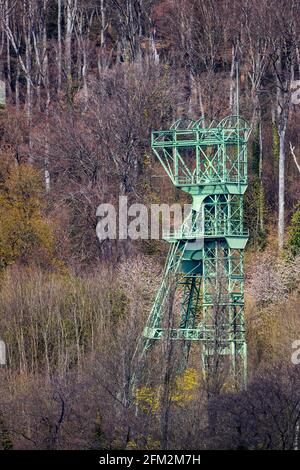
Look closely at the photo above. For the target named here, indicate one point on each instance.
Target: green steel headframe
(205, 260)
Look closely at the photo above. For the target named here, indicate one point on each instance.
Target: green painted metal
(205, 260)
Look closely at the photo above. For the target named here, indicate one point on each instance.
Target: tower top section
(205, 159)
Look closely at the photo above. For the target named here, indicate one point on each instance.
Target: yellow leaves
(6, 157)
(183, 391)
(151, 444)
(148, 398)
(132, 445)
(23, 189)
(185, 387)
(146, 160)
(24, 232)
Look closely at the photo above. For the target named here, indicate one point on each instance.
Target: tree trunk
(47, 88)
(260, 174)
(17, 87)
(59, 55)
(71, 7)
(28, 52)
(281, 189)
(232, 90)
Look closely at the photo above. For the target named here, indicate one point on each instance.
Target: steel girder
(205, 261)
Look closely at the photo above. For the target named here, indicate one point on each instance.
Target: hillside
(86, 82)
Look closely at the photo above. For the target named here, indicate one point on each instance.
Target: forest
(86, 81)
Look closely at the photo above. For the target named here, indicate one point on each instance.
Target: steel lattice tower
(205, 260)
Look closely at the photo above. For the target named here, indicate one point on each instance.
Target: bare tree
(284, 37)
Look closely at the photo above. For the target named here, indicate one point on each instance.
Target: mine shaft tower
(205, 260)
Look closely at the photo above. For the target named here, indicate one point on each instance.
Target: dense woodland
(86, 82)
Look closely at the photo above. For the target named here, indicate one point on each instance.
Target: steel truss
(205, 263)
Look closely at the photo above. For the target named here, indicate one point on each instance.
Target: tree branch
(294, 157)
